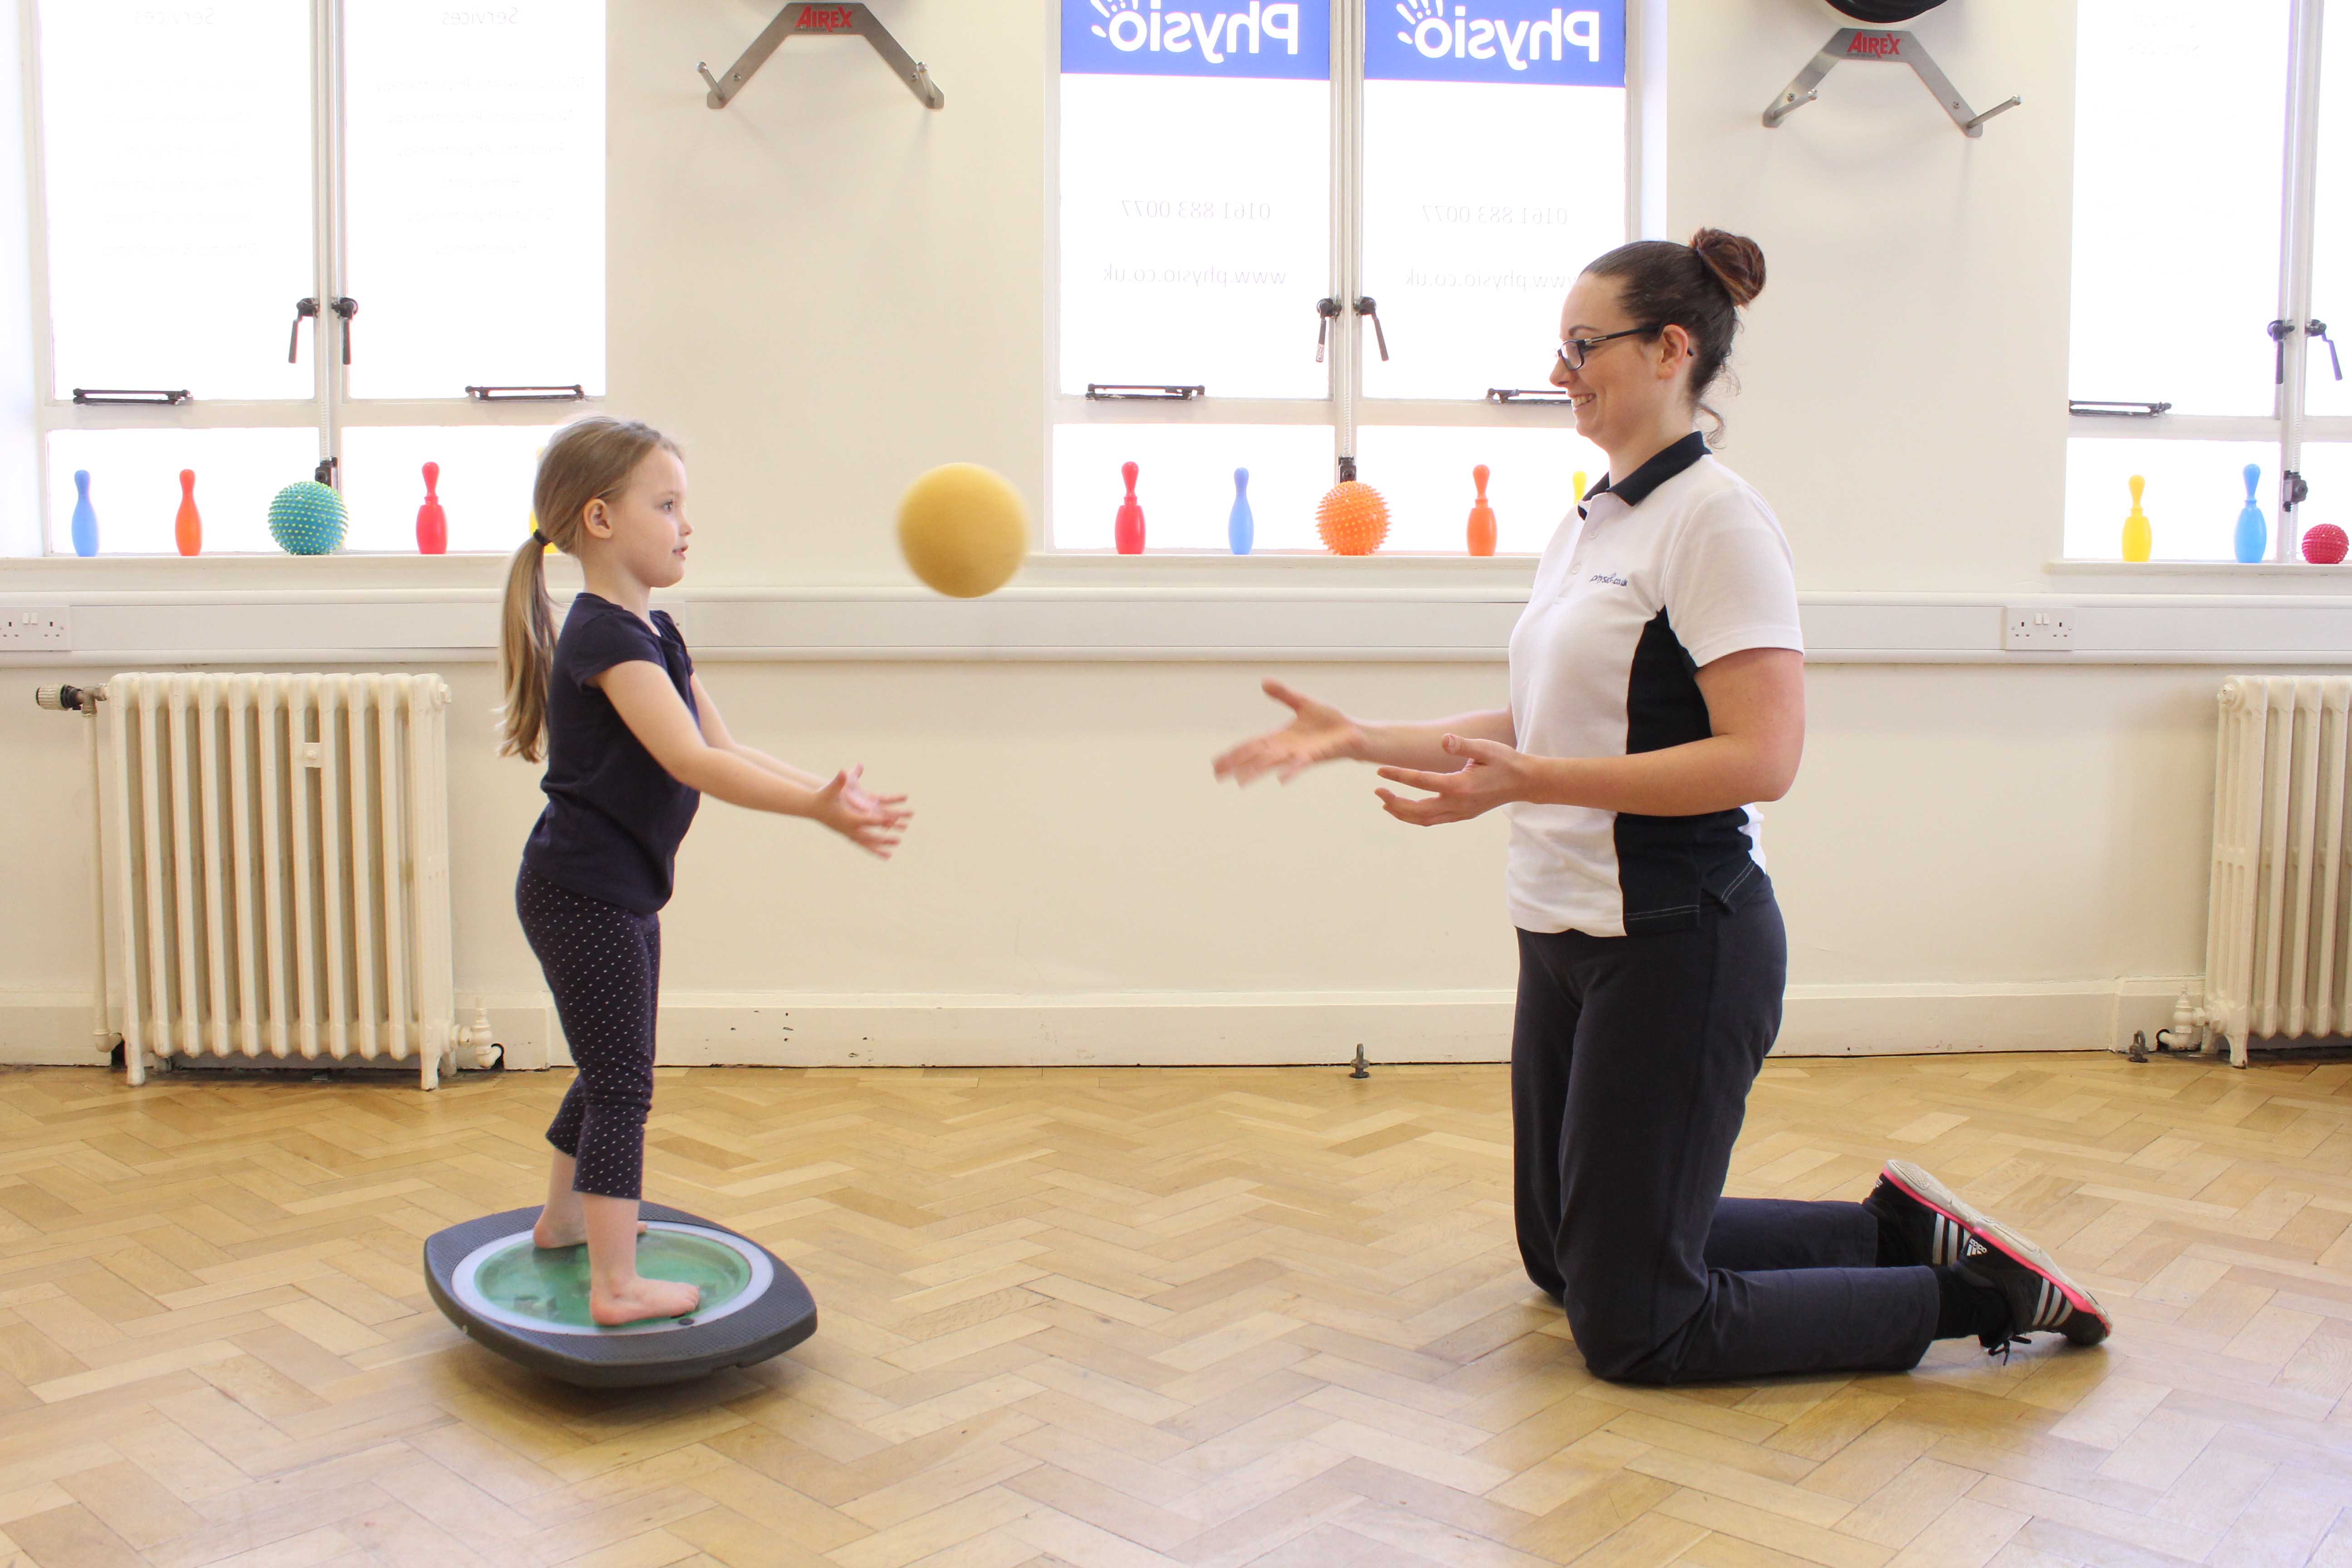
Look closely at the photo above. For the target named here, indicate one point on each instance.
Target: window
(322, 221)
(1304, 232)
(2206, 247)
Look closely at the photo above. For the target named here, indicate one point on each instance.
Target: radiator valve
(477, 1036)
(69, 699)
(2188, 1031)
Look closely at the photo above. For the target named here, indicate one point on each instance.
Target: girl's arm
(650, 706)
(1755, 705)
(715, 731)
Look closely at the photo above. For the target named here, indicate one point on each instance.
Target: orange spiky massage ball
(1352, 518)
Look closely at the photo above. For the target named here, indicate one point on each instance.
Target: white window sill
(1059, 574)
(1165, 608)
(2225, 576)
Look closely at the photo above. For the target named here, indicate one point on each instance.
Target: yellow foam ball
(964, 530)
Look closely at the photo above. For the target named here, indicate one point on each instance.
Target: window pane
(1195, 196)
(177, 176)
(1494, 169)
(2179, 138)
(483, 486)
(1185, 483)
(474, 144)
(2331, 259)
(1424, 473)
(2194, 492)
(134, 484)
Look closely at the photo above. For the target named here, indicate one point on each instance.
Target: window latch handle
(1368, 306)
(345, 308)
(1328, 309)
(304, 309)
(2318, 329)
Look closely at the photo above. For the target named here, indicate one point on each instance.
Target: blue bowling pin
(1242, 528)
(2254, 537)
(85, 519)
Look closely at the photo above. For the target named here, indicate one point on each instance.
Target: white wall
(1905, 371)
(825, 289)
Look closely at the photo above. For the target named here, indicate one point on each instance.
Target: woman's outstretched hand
(1492, 774)
(872, 822)
(1319, 733)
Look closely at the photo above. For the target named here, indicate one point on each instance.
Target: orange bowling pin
(1482, 516)
(188, 527)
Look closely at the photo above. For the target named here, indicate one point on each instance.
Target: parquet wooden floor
(1150, 1317)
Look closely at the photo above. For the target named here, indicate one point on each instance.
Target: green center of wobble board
(551, 1284)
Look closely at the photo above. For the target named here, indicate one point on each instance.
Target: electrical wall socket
(31, 628)
(2037, 631)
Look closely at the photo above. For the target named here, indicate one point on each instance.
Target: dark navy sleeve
(594, 644)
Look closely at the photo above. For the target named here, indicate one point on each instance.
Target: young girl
(631, 741)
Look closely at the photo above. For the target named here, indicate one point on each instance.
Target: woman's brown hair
(1700, 287)
(590, 460)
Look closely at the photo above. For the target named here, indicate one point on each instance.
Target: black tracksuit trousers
(1631, 1060)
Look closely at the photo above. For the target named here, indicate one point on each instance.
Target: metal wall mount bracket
(1141, 392)
(834, 19)
(1894, 48)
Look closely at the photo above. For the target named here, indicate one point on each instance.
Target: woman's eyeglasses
(1573, 350)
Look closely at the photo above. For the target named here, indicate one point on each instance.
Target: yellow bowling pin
(1579, 484)
(2137, 537)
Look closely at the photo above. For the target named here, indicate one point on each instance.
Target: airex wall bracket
(1894, 48)
(833, 19)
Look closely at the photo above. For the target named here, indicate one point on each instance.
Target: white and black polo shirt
(1671, 568)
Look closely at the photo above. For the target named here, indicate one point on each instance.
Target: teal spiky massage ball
(309, 519)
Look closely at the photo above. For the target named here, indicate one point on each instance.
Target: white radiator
(2278, 944)
(281, 868)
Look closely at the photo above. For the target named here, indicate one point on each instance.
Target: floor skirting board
(1205, 1029)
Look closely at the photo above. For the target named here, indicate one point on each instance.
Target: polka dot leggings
(603, 964)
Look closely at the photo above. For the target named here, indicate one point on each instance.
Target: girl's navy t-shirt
(613, 816)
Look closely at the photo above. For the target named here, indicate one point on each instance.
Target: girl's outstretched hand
(1319, 733)
(872, 822)
(1492, 774)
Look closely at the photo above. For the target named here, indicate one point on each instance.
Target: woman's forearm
(1421, 743)
(1719, 773)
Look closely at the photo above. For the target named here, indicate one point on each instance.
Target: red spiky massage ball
(2324, 545)
(1352, 518)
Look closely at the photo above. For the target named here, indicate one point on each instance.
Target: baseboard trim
(1221, 1029)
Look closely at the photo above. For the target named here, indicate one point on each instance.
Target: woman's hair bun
(1736, 261)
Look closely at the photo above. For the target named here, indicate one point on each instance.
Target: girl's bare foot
(555, 1229)
(636, 1298)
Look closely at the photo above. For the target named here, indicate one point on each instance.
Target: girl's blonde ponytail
(526, 652)
(590, 460)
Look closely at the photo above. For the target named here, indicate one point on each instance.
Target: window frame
(1344, 408)
(2287, 426)
(330, 408)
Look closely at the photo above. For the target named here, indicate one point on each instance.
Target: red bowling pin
(1482, 516)
(1129, 530)
(187, 527)
(432, 522)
